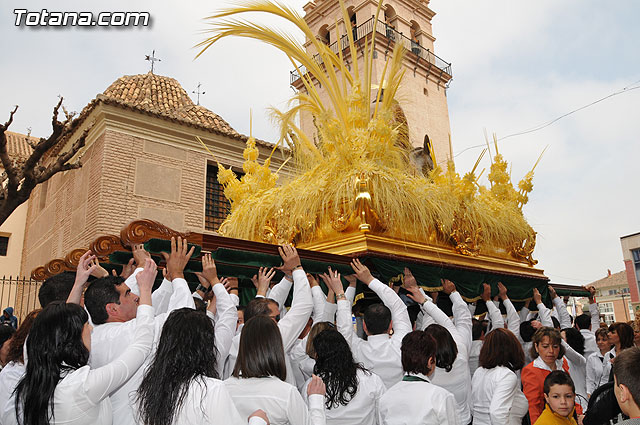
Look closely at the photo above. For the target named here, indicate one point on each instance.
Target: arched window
(415, 41)
(389, 22)
(325, 34)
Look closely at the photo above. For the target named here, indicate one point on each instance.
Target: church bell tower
(422, 96)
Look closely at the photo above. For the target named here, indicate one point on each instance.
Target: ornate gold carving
(73, 258)
(105, 245)
(39, 273)
(524, 250)
(140, 231)
(369, 218)
(463, 237)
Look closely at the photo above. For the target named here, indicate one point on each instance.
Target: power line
(626, 89)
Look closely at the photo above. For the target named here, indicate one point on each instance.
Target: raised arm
(227, 313)
(102, 381)
(513, 319)
(296, 319)
(593, 309)
(86, 266)
(280, 291)
(544, 314)
(343, 316)
(561, 308)
(461, 314)
(399, 314)
(429, 308)
(493, 312)
(319, 299)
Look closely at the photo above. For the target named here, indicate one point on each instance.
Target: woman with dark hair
(620, 337)
(259, 374)
(496, 397)
(454, 343)
(14, 370)
(415, 400)
(185, 366)
(548, 354)
(59, 386)
(353, 393)
(573, 343)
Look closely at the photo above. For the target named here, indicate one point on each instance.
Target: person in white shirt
(291, 325)
(353, 392)
(259, 375)
(587, 324)
(454, 342)
(496, 398)
(596, 364)
(415, 400)
(185, 368)
(380, 353)
(59, 386)
(112, 306)
(13, 372)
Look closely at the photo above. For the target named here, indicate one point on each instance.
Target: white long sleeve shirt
(578, 372)
(281, 401)
(82, 396)
(496, 397)
(110, 340)
(597, 371)
(330, 309)
(363, 408)
(411, 403)
(10, 375)
(458, 379)
(380, 353)
(208, 402)
(590, 345)
(225, 323)
(290, 325)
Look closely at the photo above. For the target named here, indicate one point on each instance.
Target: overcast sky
(516, 65)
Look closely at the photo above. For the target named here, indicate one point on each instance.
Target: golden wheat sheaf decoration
(357, 166)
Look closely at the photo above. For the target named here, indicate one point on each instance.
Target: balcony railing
(390, 36)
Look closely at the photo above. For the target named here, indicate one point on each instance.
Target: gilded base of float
(367, 242)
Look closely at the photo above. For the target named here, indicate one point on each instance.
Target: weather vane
(152, 58)
(198, 92)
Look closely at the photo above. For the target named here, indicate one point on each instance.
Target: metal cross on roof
(152, 58)
(198, 92)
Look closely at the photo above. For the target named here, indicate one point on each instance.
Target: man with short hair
(626, 376)
(381, 351)
(112, 305)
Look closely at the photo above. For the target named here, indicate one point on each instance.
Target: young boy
(560, 396)
(626, 376)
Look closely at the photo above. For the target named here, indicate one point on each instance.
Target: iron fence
(21, 293)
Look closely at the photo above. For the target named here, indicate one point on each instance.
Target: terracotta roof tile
(17, 145)
(165, 98)
(616, 279)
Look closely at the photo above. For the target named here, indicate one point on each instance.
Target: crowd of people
(110, 350)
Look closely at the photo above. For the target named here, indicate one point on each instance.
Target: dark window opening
(217, 206)
(4, 244)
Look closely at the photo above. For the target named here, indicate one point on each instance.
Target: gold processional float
(355, 189)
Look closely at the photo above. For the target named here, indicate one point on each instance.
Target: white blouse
(411, 403)
(82, 395)
(208, 403)
(363, 408)
(280, 400)
(496, 398)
